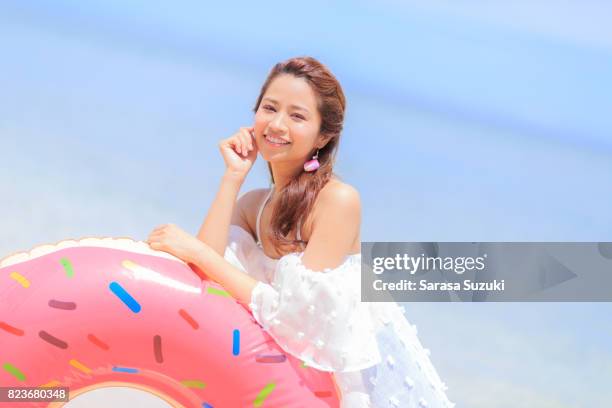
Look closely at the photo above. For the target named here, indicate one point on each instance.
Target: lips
(276, 140)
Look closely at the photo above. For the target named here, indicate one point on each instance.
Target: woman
(291, 253)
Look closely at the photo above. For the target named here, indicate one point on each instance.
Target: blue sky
(472, 123)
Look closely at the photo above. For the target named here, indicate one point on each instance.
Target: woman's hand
(170, 238)
(239, 151)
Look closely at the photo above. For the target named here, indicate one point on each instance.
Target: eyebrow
(291, 106)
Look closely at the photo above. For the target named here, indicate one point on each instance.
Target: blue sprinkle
(236, 345)
(126, 370)
(206, 405)
(125, 297)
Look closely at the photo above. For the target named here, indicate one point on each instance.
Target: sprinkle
(132, 266)
(80, 366)
(215, 291)
(58, 304)
(11, 369)
(278, 358)
(125, 297)
(323, 394)
(189, 319)
(97, 342)
(13, 330)
(304, 364)
(157, 349)
(52, 339)
(236, 343)
(263, 394)
(21, 279)
(193, 383)
(51, 384)
(206, 405)
(125, 370)
(67, 267)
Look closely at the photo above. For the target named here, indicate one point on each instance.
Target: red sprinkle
(11, 329)
(97, 342)
(189, 319)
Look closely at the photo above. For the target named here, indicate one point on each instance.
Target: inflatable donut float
(103, 312)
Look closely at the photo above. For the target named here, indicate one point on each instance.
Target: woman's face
(287, 121)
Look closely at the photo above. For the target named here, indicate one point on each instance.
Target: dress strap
(261, 208)
(298, 234)
(258, 220)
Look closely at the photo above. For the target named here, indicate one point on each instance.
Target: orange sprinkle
(51, 384)
(80, 366)
(11, 329)
(189, 319)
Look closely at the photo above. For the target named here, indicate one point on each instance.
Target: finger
(240, 143)
(155, 245)
(249, 138)
(242, 148)
(232, 142)
(245, 144)
(154, 236)
(157, 229)
(237, 143)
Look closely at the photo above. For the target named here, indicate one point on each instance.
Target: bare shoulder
(335, 229)
(339, 195)
(339, 201)
(247, 206)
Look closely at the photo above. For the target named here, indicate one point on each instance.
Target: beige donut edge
(128, 244)
(111, 384)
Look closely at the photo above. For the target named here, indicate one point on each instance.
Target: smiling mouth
(277, 141)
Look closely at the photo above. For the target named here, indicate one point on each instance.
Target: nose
(277, 124)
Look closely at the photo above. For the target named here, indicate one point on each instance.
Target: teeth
(276, 140)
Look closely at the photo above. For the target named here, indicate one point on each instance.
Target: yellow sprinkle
(215, 291)
(51, 384)
(130, 265)
(21, 279)
(193, 383)
(80, 366)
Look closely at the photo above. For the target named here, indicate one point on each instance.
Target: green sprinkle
(67, 267)
(14, 371)
(193, 383)
(215, 291)
(263, 394)
(304, 364)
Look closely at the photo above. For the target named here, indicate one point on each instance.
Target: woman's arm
(172, 239)
(239, 153)
(237, 283)
(214, 229)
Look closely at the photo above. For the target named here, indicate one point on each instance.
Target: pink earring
(312, 165)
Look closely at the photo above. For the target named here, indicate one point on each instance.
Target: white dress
(373, 351)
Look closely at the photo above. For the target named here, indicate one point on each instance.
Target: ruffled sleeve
(318, 316)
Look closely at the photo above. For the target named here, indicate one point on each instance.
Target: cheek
(259, 123)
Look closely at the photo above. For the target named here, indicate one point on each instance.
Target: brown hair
(297, 198)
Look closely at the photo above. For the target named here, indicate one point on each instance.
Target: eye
(268, 108)
(299, 116)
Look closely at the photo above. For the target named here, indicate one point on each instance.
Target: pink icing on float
(99, 312)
